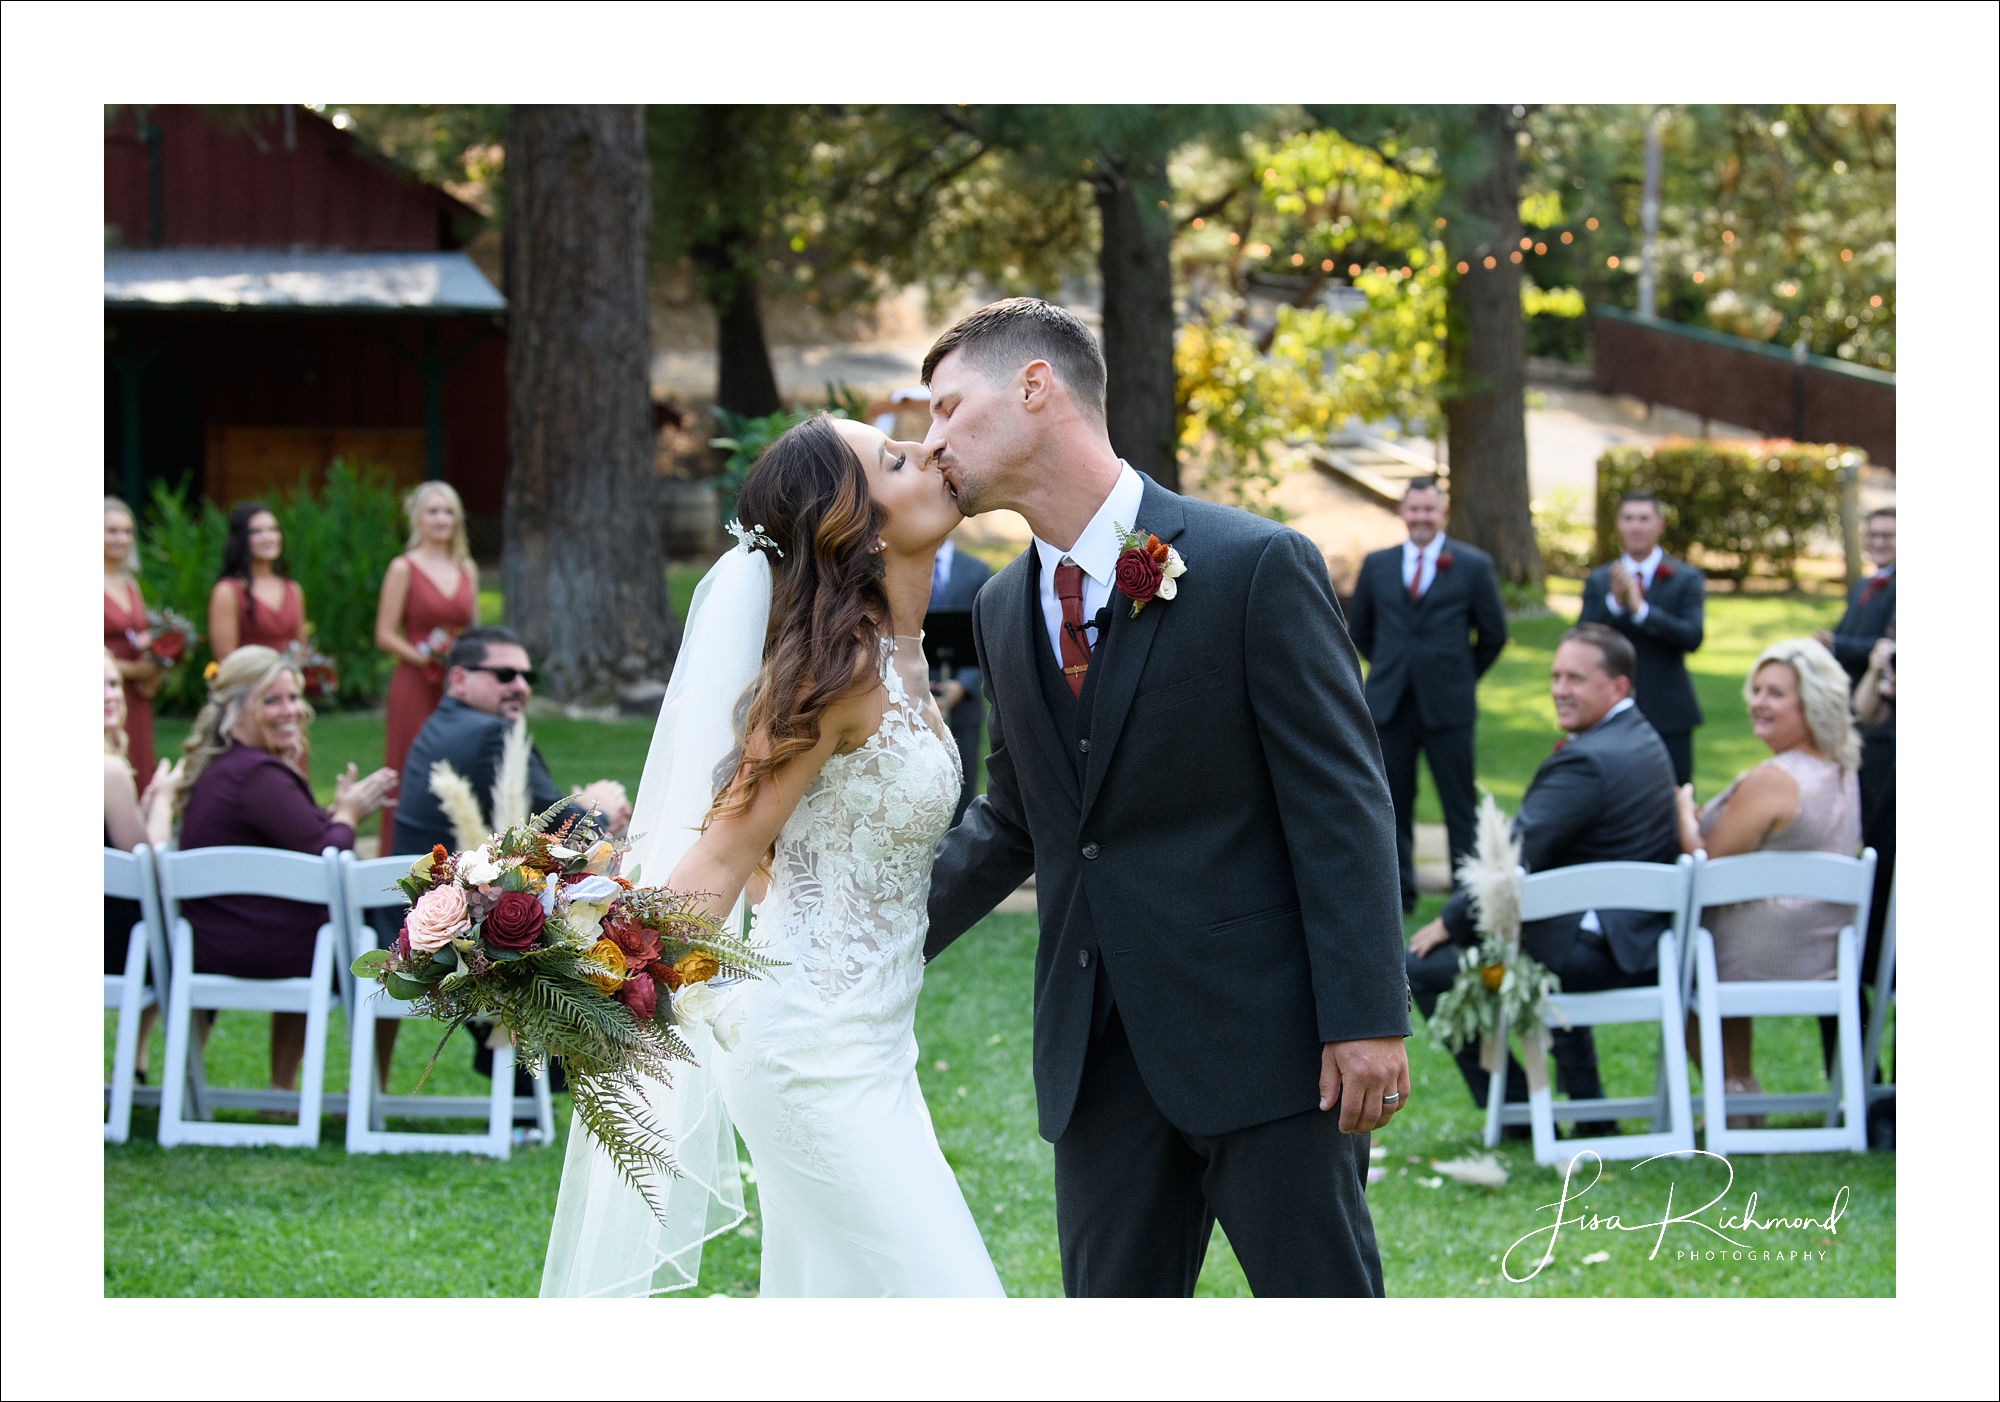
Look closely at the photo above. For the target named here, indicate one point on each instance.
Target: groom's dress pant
(1137, 1200)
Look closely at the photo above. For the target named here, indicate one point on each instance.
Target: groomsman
(956, 577)
(1657, 602)
(1427, 615)
(1871, 603)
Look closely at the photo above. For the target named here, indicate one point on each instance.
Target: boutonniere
(1444, 560)
(1662, 571)
(1562, 744)
(1146, 569)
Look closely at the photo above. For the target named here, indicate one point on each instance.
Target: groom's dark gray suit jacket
(1211, 832)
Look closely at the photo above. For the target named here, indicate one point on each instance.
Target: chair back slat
(371, 884)
(121, 875)
(1652, 886)
(1756, 876)
(247, 871)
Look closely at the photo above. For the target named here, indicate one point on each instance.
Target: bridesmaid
(429, 596)
(256, 602)
(125, 632)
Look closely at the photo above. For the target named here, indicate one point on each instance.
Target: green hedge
(339, 541)
(1754, 503)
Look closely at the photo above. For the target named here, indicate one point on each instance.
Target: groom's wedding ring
(1392, 1098)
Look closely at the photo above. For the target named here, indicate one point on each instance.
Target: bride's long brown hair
(809, 495)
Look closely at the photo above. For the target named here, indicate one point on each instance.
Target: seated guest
(1606, 794)
(1805, 798)
(255, 602)
(129, 820)
(488, 684)
(239, 788)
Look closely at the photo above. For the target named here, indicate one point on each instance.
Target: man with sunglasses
(488, 683)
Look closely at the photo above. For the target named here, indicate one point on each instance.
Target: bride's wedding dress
(856, 1196)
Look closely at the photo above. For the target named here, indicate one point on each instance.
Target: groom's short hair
(1000, 338)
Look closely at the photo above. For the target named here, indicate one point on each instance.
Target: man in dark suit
(1871, 602)
(1427, 615)
(956, 577)
(488, 684)
(1606, 794)
(1182, 756)
(1656, 601)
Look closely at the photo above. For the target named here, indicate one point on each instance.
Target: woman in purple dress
(239, 788)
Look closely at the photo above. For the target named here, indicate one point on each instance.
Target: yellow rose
(697, 967)
(609, 955)
(1492, 975)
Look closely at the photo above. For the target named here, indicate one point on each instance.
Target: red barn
(277, 295)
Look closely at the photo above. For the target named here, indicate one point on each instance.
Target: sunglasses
(506, 675)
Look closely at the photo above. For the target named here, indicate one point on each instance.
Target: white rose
(1175, 568)
(695, 1003)
(728, 1028)
(1167, 588)
(478, 868)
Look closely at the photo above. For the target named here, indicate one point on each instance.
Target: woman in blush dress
(256, 602)
(240, 787)
(429, 596)
(1805, 798)
(126, 631)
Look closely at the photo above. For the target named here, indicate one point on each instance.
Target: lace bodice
(851, 879)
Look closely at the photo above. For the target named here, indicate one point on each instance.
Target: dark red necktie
(1075, 648)
(1416, 581)
(1639, 581)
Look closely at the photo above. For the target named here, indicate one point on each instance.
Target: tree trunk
(585, 574)
(1136, 269)
(1486, 419)
(744, 380)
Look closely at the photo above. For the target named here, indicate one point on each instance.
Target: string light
(1199, 222)
(1298, 259)
(1408, 273)
(1354, 270)
(1590, 223)
(1729, 236)
(1260, 250)
(1875, 301)
(1326, 265)
(1464, 267)
(1234, 238)
(1270, 172)
(1612, 261)
(1515, 256)
(1540, 249)
(1527, 243)
(1439, 224)
(1701, 277)
(1567, 236)
(1847, 255)
(1491, 261)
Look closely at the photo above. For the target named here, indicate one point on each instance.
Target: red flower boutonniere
(1147, 568)
(1560, 743)
(1444, 561)
(1663, 571)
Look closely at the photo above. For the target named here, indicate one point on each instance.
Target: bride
(800, 759)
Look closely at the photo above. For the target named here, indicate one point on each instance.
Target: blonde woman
(429, 596)
(238, 788)
(1805, 798)
(126, 630)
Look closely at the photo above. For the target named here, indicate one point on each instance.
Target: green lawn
(281, 1222)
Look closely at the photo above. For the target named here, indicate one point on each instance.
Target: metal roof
(274, 280)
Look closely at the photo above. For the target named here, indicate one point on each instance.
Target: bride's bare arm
(722, 860)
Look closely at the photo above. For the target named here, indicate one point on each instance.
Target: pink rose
(438, 916)
(640, 995)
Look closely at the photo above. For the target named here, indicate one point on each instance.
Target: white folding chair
(371, 885)
(1822, 876)
(246, 871)
(1645, 886)
(1885, 994)
(143, 984)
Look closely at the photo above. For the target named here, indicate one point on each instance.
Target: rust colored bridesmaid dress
(121, 619)
(414, 691)
(264, 628)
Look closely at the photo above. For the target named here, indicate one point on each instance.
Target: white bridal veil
(605, 1241)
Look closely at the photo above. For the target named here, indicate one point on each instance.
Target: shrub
(1756, 503)
(745, 439)
(338, 543)
(1563, 532)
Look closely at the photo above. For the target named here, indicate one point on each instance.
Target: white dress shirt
(1424, 561)
(1641, 570)
(1095, 552)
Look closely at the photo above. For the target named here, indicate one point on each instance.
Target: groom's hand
(1356, 1075)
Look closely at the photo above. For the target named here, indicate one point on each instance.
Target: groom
(1219, 992)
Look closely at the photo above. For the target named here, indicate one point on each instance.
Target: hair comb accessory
(752, 538)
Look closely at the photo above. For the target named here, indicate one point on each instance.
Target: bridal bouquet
(537, 930)
(168, 636)
(321, 677)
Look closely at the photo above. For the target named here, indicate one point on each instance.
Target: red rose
(516, 921)
(1138, 576)
(1444, 561)
(167, 646)
(1663, 571)
(641, 995)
